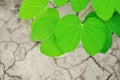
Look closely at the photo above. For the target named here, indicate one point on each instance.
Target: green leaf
(43, 28)
(60, 2)
(68, 32)
(114, 24)
(50, 48)
(108, 41)
(78, 5)
(104, 8)
(93, 35)
(32, 8)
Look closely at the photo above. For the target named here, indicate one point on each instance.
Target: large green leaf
(50, 47)
(60, 2)
(68, 32)
(114, 24)
(93, 35)
(43, 30)
(32, 8)
(78, 5)
(103, 8)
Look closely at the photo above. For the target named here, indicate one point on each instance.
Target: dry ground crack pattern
(20, 58)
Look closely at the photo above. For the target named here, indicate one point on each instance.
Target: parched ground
(20, 58)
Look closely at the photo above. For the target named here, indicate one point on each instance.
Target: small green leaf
(114, 24)
(32, 8)
(43, 28)
(60, 2)
(68, 32)
(108, 41)
(78, 5)
(93, 35)
(50, 48)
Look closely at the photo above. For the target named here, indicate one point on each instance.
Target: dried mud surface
(20, 58)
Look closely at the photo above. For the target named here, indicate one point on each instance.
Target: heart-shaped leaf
(43, 30)
(68, 32)
(32, 8)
